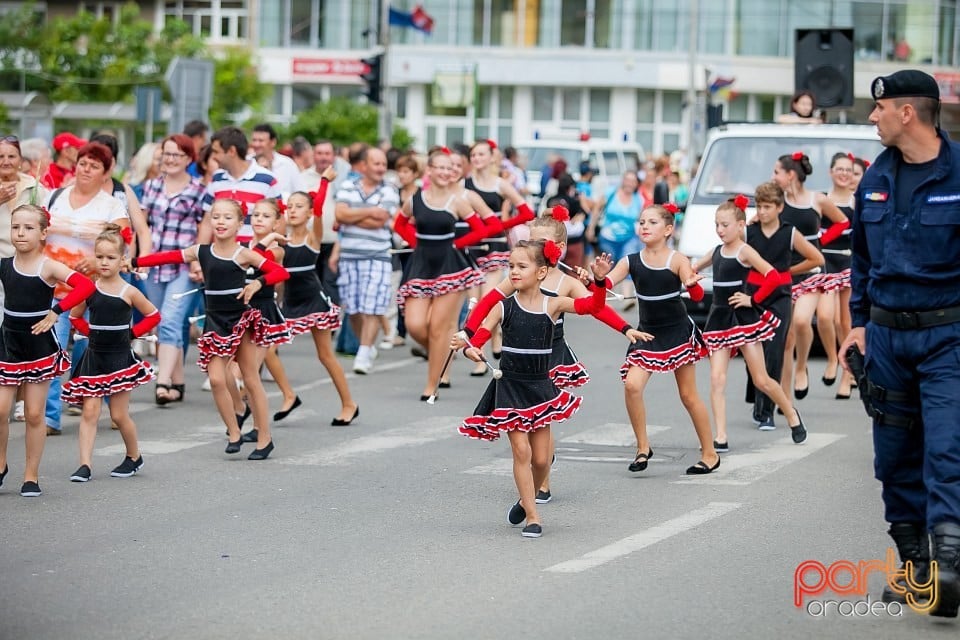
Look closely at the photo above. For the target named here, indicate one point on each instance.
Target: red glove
(261, 250)
(479, 339)
(478, 231)
(524, 215)
(589, 305)
(405, 229)
(83, 287)
(157, 259)
(771, 280)
(272, 273)
(320, 197)
(834, 232)
(81, 325)
(479, 313)
(146, 323)
(695, 291)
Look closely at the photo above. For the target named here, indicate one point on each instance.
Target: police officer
(905, 306)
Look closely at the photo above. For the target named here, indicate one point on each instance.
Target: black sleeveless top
(433, 225)
(224, 279)
(558, 327)
(807, 221)
(658, 293)
(491, 198)
(110, 317)
(843, 242)
(27, 298)
(729, 276)
(527, 341)
(304, 283)
(777, 249)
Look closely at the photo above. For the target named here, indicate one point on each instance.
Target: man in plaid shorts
(365, 207)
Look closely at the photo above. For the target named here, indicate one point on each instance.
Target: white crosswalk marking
(645, 538)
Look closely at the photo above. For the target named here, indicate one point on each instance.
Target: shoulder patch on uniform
(943, 198)
(876, 196)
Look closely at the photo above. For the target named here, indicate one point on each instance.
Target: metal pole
(384, 120)
(150, 115)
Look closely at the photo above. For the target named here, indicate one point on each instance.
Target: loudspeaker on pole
(823, 65)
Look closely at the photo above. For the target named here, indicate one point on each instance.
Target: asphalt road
(395, 527)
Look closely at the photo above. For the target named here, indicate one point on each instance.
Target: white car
(738, 157)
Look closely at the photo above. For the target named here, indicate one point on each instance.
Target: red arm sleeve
(81, 325)
(157, 259)
(611, 318)
(405, 229)
(771, 280)
(479, 313)
(478, 231)
(320, 197)
(696, 292)
(273, 272)
(82, 288)
(494, 225)
(588, 305)
(146, 323)
(834, 232)
(524, 215)
(479, 338)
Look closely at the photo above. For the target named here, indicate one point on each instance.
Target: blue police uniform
(909, 262)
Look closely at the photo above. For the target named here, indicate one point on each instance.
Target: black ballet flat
(249, 436)
(800, 394)
(828, 381)
(424, 398)
(280, 415)
(337, 422)
(444, 385)
(702, 469)
(242, 418)
(496, 354)
(261, 454)
(640, 462)
(842, 396)
(799, 432)
(234, 447)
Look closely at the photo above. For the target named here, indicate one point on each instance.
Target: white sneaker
(362, 365)
(373, 354)
(206, 384)
(386, 344)
(18, 412)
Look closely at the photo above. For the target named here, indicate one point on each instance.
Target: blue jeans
(62, 331)
(173, 313)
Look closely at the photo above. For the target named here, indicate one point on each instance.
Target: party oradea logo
(848, 580)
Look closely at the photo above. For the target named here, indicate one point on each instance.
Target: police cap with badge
(908, 83)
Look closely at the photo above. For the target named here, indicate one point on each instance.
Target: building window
(947, 27)
(495, 115)
(213, 19)
(573, 22)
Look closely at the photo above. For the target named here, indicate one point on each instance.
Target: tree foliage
(343, 121)
(86, 59)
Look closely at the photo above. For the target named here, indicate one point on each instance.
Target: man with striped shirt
(238, 179)
(364, 210)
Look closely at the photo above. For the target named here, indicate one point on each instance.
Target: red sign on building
(316, 67)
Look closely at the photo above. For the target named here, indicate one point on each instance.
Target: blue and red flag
(418, 19)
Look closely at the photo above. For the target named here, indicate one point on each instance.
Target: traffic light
(372, 78)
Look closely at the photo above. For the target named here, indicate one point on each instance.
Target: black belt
(914, 319)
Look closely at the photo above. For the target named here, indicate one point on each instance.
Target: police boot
(913, 544)
(946, 551)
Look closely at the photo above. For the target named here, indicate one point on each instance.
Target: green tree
(343, 121)
(236, 86)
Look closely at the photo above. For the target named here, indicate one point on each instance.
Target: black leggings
(773, 351)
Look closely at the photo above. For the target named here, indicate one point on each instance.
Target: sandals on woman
(166, 389)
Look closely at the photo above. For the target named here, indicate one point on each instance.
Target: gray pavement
(395, 527)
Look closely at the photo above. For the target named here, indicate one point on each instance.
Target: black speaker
(823, 65)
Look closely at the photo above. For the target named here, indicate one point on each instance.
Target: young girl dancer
(108, 366)
(30, 355)
(776, 242)
(566, 370)
(305, 306)
(438, 274)
(524, 402)
(658, 273)
(734, 323)
(803, 209)
(230, 323)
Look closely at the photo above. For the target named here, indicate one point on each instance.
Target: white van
(611, 159)
(738, 157)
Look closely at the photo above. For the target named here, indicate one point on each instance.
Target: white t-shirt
(72, 232)
(287, 173)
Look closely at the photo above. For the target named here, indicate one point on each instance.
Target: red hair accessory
(551, 252)
(669, 207)
(127, 234)
(741, 201)
(560, 213)
(492, 144)
(46, 213)
(445, 151)
(797, 155)
(866, 163)
(852, 157)
(281, 206)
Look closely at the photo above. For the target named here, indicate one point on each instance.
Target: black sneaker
(30, 489)
(81, 475)
(543, 497)
(517, 514)
(766, 424)
(532, 531)
(128, 467)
